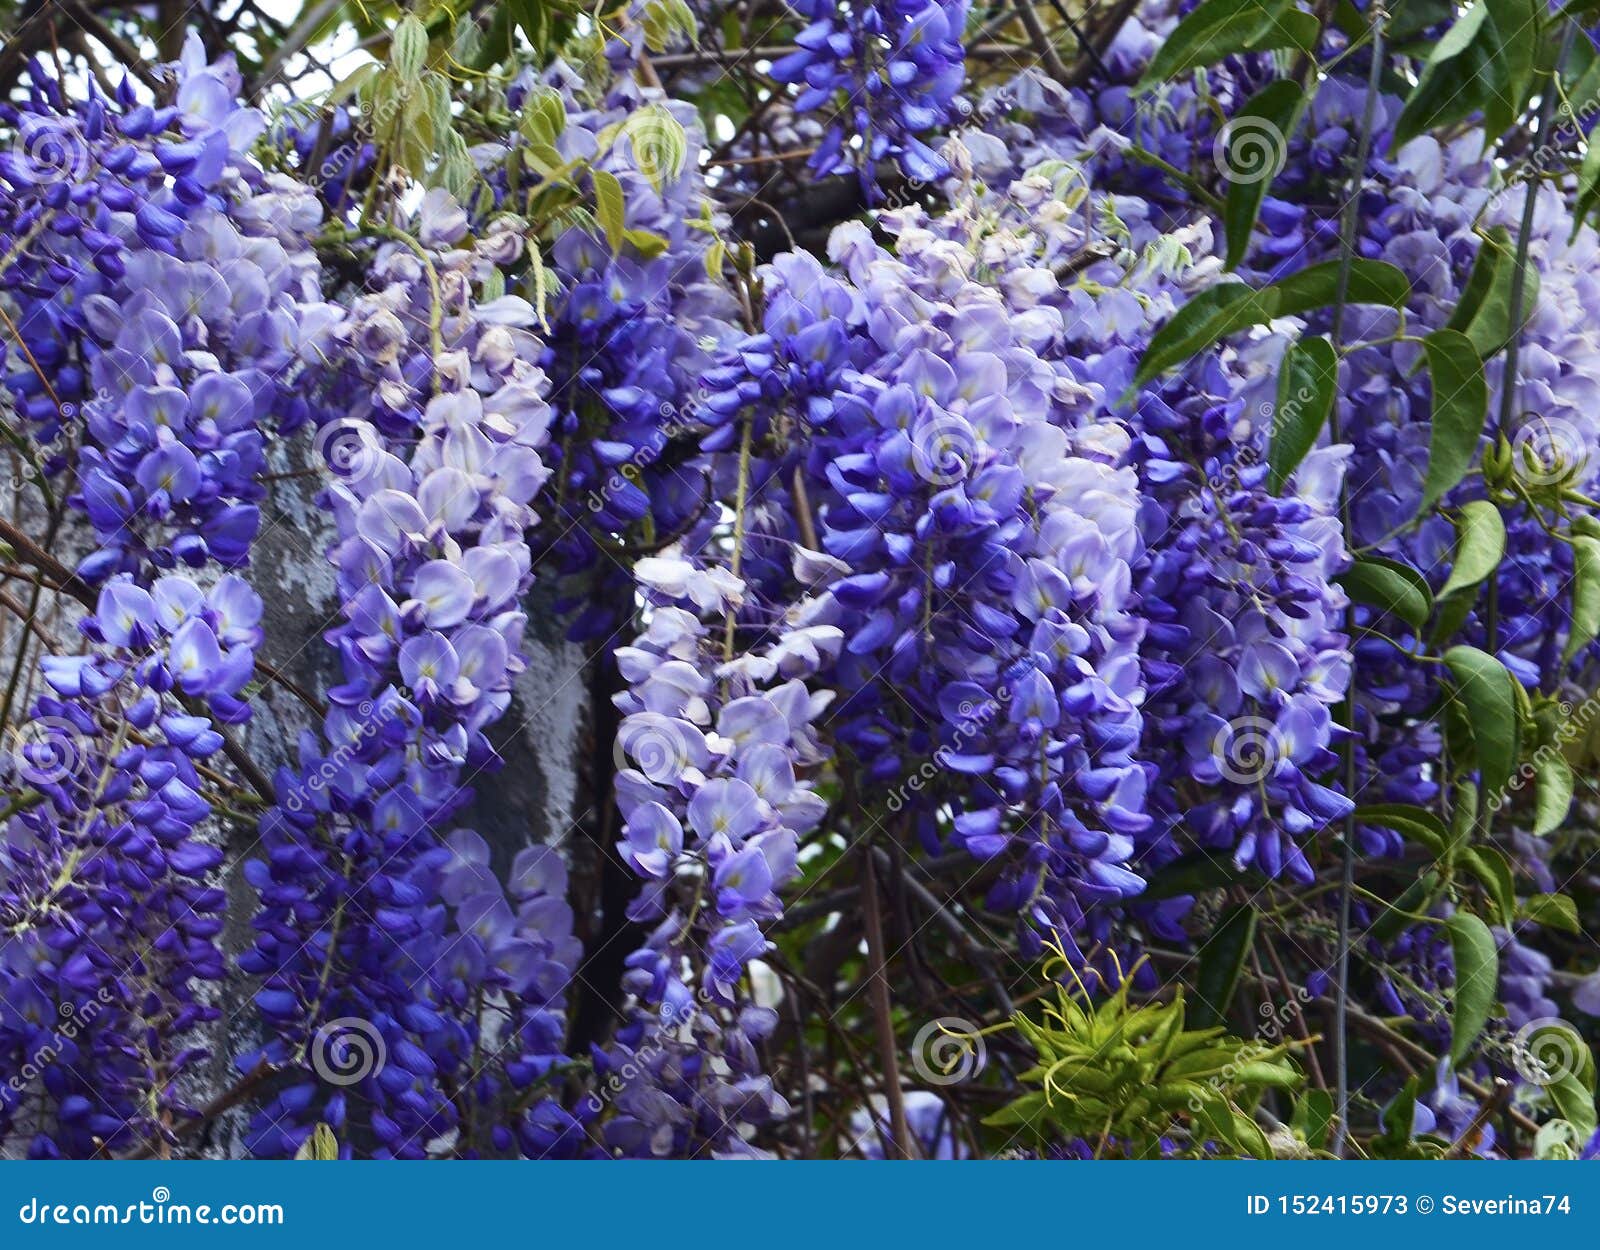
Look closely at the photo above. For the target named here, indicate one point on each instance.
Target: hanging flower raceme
(374, 923)
(712, 809)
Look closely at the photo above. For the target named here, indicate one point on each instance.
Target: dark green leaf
(1231, 306)
(1413, 822)
(1485, 63)
(1390, 587)
(1317, 286)
(1484, 313)
(1401, 1114)
(1194, 327)
(1477, 970)
(1480, 544)
(1414, 900)
(1220, 28)
(1202, 870)
(1222, 961)
(1460, 406)
(1487, 691)
(1257, 141)
(1307, 383)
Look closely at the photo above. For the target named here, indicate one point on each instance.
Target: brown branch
(882, 1012)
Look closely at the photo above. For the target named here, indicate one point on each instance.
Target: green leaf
(1412, 822)
(1231, 306)
(532, 18)
(1257, 141)
(1313, 1115)
(1190, 874)
(1030, 1109)
(1220, 28)
(1460, 407)
(609, 208)
(1414, 900)
(1568, 1066)
(1553, 790)
(1222, 961)
(1193, 328)
(1485, 63)
(1307, 383)
(1477, 969)
(1487, 690)
(1480, 544)
(1553, 911)
(1493, 869)
(408, 48)
(1588, 183)
(1585, 595)
(1484, 312)
(1391, 587)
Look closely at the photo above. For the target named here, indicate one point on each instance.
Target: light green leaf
(408, 48)
(321, 1146)
(1487, 690)
(1585, 595)
(1477, 971)
(1480, 544)
(609, 208)
(1553, 911)
(1553, 789)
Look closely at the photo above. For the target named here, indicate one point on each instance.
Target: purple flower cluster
(888, 72)
(109, 912)
(182, 296)
(628, 329)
